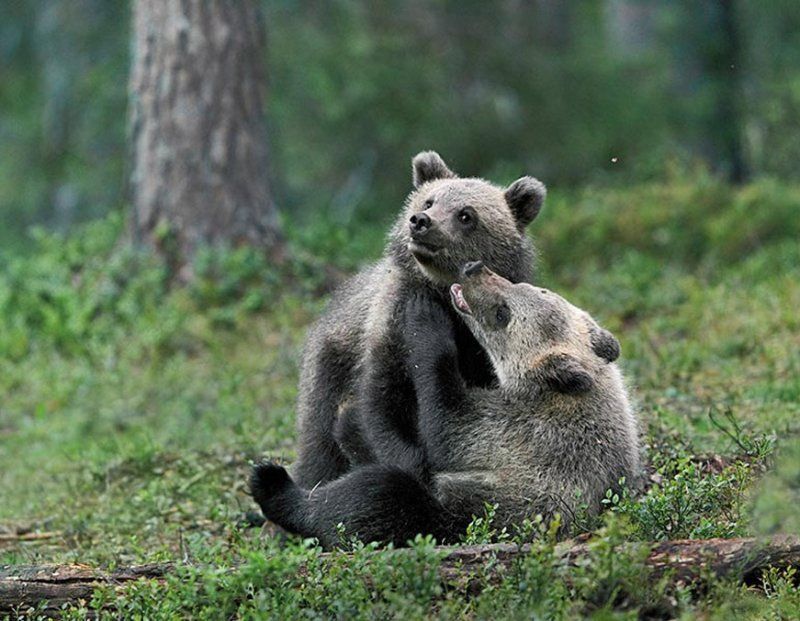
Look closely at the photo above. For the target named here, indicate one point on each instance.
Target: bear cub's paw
(268, 480)
(423, 313)
(428, 329)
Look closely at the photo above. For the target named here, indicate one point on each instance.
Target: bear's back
(546, 453)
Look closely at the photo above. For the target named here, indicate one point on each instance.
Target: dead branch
(685, 561)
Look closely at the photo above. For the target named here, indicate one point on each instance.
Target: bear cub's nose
(420, 223)
(472, 268)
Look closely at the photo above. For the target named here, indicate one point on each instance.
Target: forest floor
(132, 410)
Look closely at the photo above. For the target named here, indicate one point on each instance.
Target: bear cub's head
(531, 333)
(449, 221)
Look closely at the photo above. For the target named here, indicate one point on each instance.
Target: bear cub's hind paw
(267, 480)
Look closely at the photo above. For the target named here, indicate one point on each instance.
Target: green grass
(131, 410)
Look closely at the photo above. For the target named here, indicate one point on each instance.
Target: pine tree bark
(198, 129)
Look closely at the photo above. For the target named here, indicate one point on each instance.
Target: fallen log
(12, 538)
(23, 586)
(686, 561)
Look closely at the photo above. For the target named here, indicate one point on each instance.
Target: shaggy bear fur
(551, 438)
(356, 401)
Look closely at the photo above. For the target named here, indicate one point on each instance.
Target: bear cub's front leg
(429, 335)
(433, 366)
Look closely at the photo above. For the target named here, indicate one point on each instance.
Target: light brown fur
(557, 433)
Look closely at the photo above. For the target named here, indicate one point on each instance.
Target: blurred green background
(668, 134)
(593, 92)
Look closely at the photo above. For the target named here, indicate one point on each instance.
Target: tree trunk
(729, 108)
(198, 130)
(467, 568)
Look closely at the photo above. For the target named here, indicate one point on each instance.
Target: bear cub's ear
(525, 198)
(604, 343)
(565, 374)
(427, 166)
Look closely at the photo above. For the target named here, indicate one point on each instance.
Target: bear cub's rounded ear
(565, 374)
(427, 166)
(525, 198)
(604, 343)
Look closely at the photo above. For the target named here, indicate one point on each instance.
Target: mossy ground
(132, 409)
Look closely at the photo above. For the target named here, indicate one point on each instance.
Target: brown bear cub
(550, 438)
(356, 400)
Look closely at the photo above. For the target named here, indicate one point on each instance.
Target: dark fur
(355, 358)
(555, 435)
(374, 502)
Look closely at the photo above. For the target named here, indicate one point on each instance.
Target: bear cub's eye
(467, 216)
(429, 203)
(503, 315)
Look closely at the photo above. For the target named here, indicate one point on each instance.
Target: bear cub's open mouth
(422, 251)
(459, 301)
